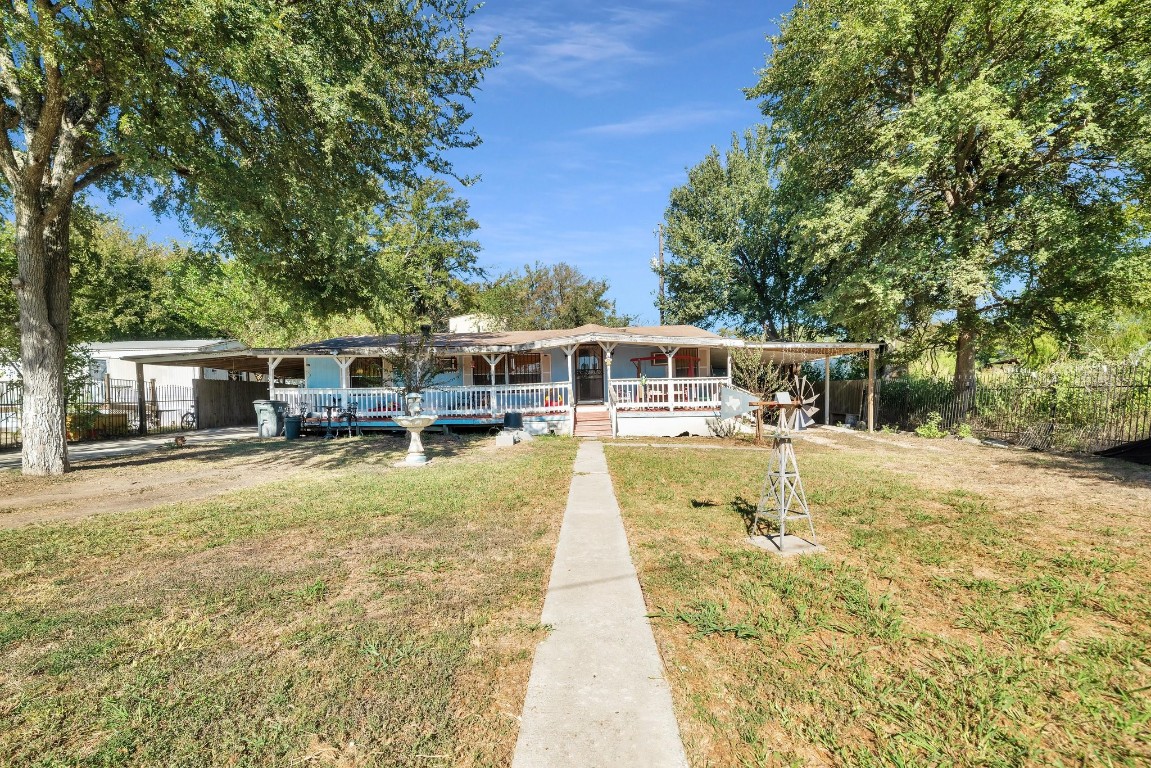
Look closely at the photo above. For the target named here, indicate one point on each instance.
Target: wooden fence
(221, 403)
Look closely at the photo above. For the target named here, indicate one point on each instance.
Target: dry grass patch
(976, 606)
(366, 617)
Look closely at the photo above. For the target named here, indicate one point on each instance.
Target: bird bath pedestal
(415, 422)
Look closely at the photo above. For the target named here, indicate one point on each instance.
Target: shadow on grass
(1083, 467)
(746, 510)
(314, 452)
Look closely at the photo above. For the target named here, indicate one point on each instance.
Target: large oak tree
(970, 162)
(276, 125)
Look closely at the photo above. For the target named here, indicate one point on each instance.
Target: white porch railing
(667, 394)
(386, 402)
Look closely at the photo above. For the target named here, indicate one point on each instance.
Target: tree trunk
(42, 255)
(967, 321)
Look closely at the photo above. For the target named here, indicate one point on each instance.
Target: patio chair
(349, 417)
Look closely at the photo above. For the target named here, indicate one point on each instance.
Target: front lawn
(975, 606)
(367, 616)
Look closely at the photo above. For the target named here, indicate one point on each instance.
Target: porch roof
(514, 341)
(234, 356)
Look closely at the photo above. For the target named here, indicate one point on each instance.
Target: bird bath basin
(415, 422)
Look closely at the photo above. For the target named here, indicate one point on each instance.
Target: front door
(589, 374)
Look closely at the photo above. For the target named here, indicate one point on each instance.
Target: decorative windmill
(803, 395)
(781, 498)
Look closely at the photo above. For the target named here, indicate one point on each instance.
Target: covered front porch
(547, 406)
(543, 376)
(646, 381)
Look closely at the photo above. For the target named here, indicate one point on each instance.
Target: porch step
(592, 422)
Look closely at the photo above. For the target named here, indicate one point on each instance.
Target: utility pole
(657, 262)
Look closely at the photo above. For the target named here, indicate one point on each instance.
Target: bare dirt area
(168, 475)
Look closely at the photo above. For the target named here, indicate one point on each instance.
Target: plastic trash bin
(270, 416)
(513, 420)
(293, 425)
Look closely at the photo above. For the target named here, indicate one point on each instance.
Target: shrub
(931, 428)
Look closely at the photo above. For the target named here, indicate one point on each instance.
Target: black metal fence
(107, 408)
(1071, 408)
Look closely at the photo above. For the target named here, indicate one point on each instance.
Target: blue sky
(593, 115)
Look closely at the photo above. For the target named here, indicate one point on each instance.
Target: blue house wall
(324, 372)
(321, 372)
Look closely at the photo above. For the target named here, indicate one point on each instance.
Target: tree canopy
(946, 172)
(732, 262)
(279, 128)
(545, 297)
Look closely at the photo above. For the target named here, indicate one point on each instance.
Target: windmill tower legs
(782, 501)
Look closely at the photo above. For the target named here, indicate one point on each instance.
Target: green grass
(373, 617)
(940, 628)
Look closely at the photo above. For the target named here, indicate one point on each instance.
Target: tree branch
(9, 162)
(83, 175)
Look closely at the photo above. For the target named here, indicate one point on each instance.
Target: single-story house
(632, 381)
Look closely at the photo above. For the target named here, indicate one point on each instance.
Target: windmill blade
(808, 390)
(736, 402)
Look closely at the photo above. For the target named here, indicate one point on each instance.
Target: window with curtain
(687, 362)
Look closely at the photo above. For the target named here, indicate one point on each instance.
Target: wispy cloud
(662, 121)
(580, 56)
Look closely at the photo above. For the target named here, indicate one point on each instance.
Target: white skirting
(648, 424)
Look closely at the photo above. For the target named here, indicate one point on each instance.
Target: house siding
(320, 372)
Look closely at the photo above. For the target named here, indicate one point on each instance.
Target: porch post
(608, 347)
(345, 363)
(272, 363)
(670, 375)
(827, 390)
(729, 377)
(569, 351)
(871, 390)
(492, 360)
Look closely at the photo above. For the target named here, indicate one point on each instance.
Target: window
(511, 369)
(447, 364)
(367, 373)
(687, 362)
(524, 369)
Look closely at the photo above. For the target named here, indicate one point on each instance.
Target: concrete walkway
(104, 449)
(597, 695)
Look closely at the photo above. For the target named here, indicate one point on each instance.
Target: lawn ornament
(781, 497)
(415, 422)
(803, 394)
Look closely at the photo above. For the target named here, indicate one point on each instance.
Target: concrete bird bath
(415, 422)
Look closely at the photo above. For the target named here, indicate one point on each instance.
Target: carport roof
(785, 352)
